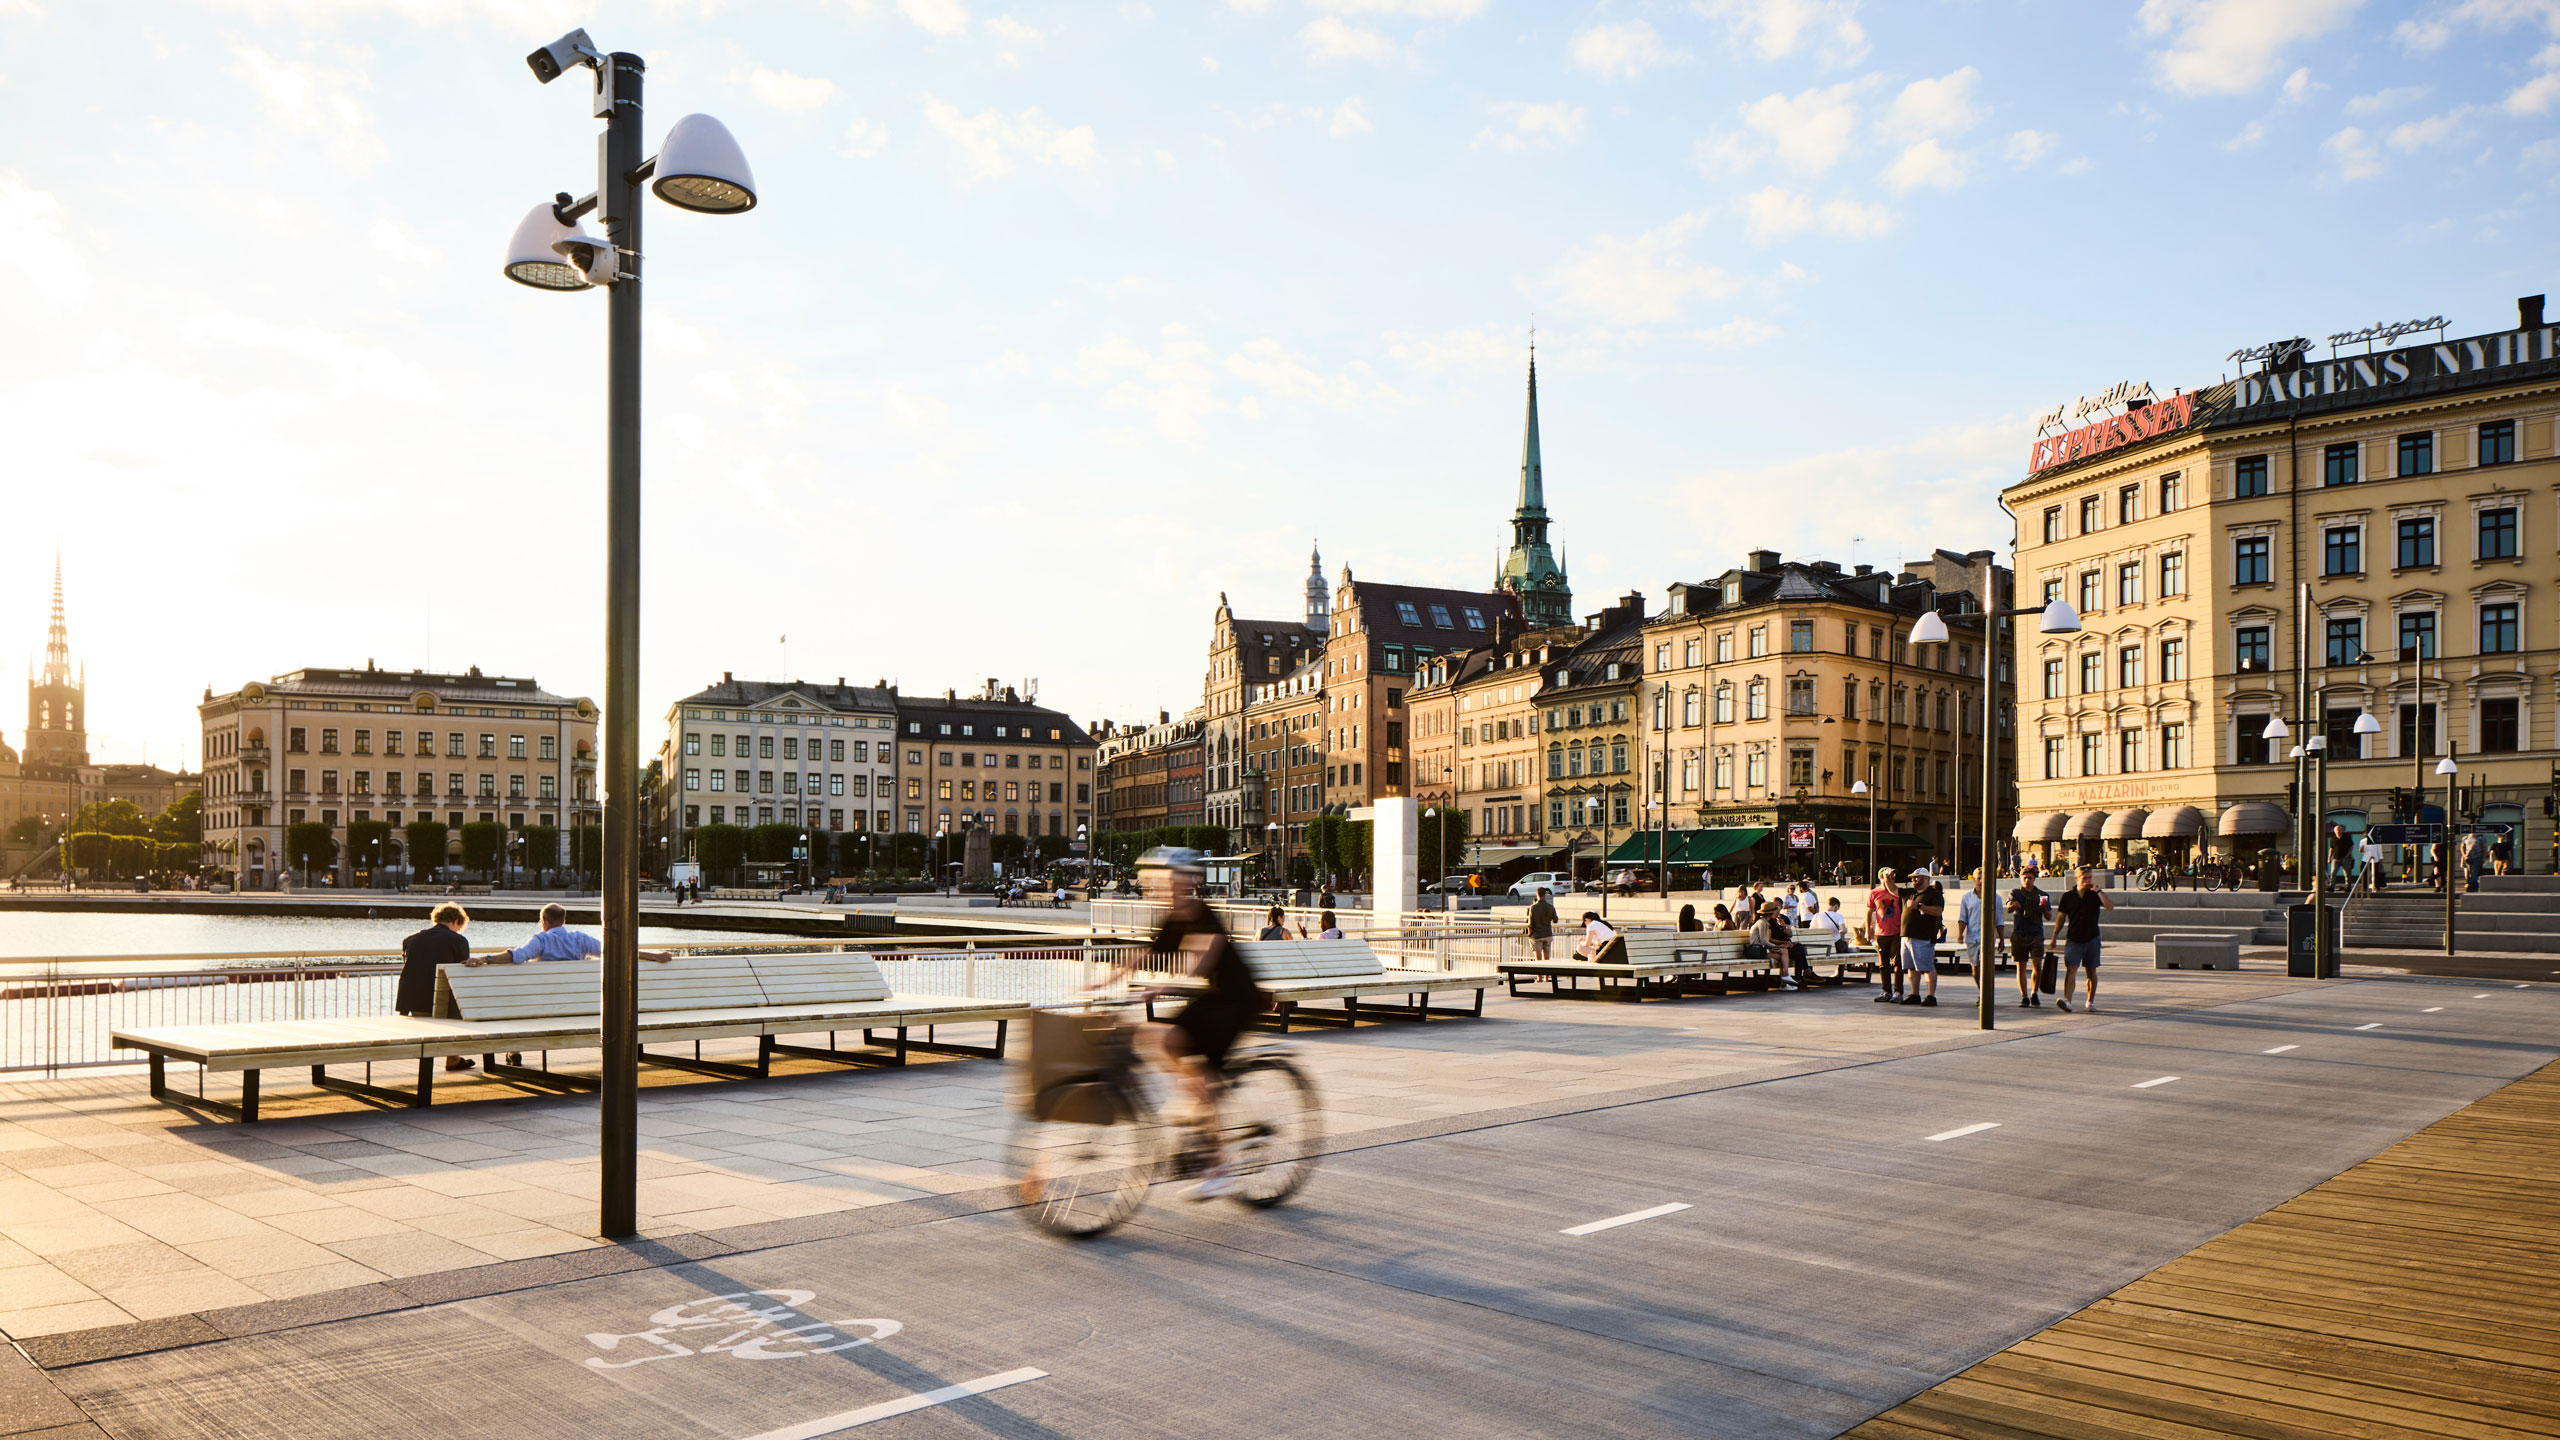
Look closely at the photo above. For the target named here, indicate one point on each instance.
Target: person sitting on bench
(1602, 944)
(555, 941)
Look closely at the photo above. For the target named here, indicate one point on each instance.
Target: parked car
(1553, 881)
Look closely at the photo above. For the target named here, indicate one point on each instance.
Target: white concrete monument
(1394, 834)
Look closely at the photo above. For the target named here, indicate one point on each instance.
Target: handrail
(1047, 941)
(2356, 887)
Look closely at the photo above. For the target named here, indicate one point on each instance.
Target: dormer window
(1440, 617)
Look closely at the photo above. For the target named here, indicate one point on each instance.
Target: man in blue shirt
(556, 941)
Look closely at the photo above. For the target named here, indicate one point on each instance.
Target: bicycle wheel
(1088, 1169)
(1272, 1128)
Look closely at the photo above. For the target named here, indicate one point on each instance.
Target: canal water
(25, 934)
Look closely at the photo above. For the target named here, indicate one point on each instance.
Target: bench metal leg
(726, 1069)
(423, 1096)
(890, 1052)
(547, 1079)
(244, 1112)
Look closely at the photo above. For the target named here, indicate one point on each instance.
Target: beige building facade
(2372, 534)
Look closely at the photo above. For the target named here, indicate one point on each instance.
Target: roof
(840, 697)
(1010, 720)
(471, 687)
(1382, 616)
(1771, 581)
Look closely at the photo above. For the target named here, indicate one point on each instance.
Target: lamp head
(2366, 724)
(2276, 728)
(1860, 788)
(1930, 630)
(701, 168)
(2059, 619)
(2446, 766)
(534, 257)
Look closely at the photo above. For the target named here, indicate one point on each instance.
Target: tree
(720, 850)
(586, 843)
(88, 850)
(773, 844)
(308, 846)
(427, 840)
(178, 856)
(1006, 848)
(1051, 847)
(29, 831)
(907, 851)
(484, 844)
(183, 820)
(369, 844)
(110, 817)
(132, 855)
(1440, 843)
(541, 849)
(860, 850)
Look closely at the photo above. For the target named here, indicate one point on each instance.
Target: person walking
(2475, 858)
(2342, 861)
(1923, 926)
(1542, 925)
(1884, 921)
(2080, 908)
(1972, 939)
(441, 943)
(2028, 909)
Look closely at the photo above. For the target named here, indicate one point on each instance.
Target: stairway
(2404, 918)
(2514, 914)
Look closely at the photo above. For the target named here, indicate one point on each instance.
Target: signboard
(1799, 835)
(2426, 834)
(2160, 417)
(2293, 384)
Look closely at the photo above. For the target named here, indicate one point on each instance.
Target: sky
(1055, 321)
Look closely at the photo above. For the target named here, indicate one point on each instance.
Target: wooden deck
(2417, 1295)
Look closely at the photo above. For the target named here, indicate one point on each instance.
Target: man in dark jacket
(441, 943)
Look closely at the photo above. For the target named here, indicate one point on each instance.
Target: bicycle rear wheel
(1088, 1169)
(1272, 1127)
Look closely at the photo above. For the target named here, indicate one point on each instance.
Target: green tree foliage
(1006, 848)
(177, 857)
(720, 850)
(133, 855)
(586, 842)
(369, 843)
(183, 820)
(88, 850)
(541, 848)
(29, 831)
(484, 845)
(110, 817)
(308, 846)
(1441, 843)
(773, 843)
(910, 848)
(860, 850)
(426, 845)
(1051, 847)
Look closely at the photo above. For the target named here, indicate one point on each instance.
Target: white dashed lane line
(1614, 1221)
(1963, 1130)
(2279, 1049)
(905, 1404)
(2163, 1080)
(2376, 1025)
(2430, 1010)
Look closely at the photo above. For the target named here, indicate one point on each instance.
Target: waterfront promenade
(1875, 1200)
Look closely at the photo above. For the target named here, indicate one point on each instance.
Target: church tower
(57, 734)
(1530, 571)
(1319, 595)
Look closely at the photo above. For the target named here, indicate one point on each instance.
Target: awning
(2040, 829)
(1703, 846)
(2087, 825)
(2124, 825)
(2253, 817)
(1498, 854)
(2176, 823)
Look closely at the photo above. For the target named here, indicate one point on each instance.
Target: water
(41, 933)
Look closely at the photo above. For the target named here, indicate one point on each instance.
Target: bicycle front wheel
(1087, 1168)
(1273, 1129)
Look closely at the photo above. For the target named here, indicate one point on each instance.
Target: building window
(1440, 617)
(2253, 743)
(693, 744)
(1756, 705)
(1724, 704)
(1849, 699)
(2418, 635)
(2173, 747)
(1755, 766)
(2417, 542)
(1689, 652)
(2128, 504)
(1689, 708)
(2498, 447)
(1800, 635)
(2129, 583)
(2088, 592)
(2173, 493)
(1800, 696)
(2053, 678)
(1724, 770)
(2342, 550)
(2346, 641)
(2498, 630)
(2338, 464)
(550, 747)
(2053, 757)
(2088, 514)
(2128, 752)
(2249, 477)
(2052, 524)
(1475, 618)
(720, 745)
(2498, 533)
(2128, 667)
(2093, 675)
(2173, 574)
(2052, 592)
(2418, 453)
(2417, 727)
(2498, 724)
(693, 779)
(1406, 613)
(1759, 641)
(2173, 661)
(2092, 754)
(2249, 560)
(1800, 767)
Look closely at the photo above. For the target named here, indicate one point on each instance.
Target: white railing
(1244, 921)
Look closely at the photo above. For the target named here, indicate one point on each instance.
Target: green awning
(1688, 847)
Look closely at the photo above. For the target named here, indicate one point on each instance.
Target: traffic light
(2293, 796)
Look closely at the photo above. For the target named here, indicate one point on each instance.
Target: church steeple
(1530, 571)
(57, 733)
(57, 636)
(1319, 594)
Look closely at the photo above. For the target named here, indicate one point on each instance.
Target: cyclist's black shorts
(1209, 1027)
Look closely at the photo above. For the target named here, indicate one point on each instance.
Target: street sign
(1799, 835)
(2427, 834)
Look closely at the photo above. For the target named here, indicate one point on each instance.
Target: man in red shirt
(1884, 919)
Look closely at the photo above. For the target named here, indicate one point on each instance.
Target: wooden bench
(552, 1005)
(1663, 963)
(1297, 971)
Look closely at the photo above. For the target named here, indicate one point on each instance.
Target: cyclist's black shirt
(1230, 981)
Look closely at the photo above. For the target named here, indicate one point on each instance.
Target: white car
(1552, 881)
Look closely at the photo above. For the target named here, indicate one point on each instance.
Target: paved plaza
(1850, 1203)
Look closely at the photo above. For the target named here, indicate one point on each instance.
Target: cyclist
(1193, 1045)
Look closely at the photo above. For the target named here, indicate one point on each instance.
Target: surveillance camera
(591, 257)
(571, 49)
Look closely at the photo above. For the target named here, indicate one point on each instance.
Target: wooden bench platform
(1663, 964)
(1299, 971)
(552, 1005)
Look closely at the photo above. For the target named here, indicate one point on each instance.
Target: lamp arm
(568, 211)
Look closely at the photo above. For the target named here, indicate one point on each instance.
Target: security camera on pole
(699, 168)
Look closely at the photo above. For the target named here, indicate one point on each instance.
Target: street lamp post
(1271, 851)
(2444, 851)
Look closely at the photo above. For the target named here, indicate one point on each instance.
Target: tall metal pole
(2445, 866)
(1662, 830)
(2324, 962)
(1988, 928)
(618, 1096)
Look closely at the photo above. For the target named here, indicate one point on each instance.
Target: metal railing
(58, 1012)
(1244, 921)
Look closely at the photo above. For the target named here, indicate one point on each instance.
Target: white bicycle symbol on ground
(745, 1325)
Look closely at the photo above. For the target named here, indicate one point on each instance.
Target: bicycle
(1088, 1119)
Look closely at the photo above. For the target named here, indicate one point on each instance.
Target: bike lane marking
(903, 1405)
(2430, 1010)
(2376, 1025)
(1962, 1131)
(1614, 1221)
(2147, 1084)
(2279, 1049)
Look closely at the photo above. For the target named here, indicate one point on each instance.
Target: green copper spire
(1530, 571)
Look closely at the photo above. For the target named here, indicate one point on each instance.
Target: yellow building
(994, 760)
(2324, 539)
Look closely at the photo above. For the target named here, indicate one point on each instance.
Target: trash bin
(2298, 955)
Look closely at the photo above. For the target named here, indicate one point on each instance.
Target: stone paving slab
(116, 1209)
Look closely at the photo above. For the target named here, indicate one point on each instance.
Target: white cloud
(1327, 38)
(1477, 351)
(1348, 119)
(2434, 129)
(1009, 31)
(2357, 157)
(394, 242)
(1267, 364)
(1208, 64)
(2226, 47)
(1174, 386)
(1774, 212)
(1776, 29)
(1736, 334)
(993, 143)
(1939, 108)
(1809, 131)
(936, 17)
(2381, 100)
(1621, 52)
(864, 139)
(1926, 163)
(309, 97)
(2249, 135)
(2026, 147)
(1418, 9)
(2422, 35)
(2535, 96)
(1928, 485)
(1136, 12)
(2298, 84)
(798, 93)
(2076, 165)
(1536, 127)
(32, 242)
(1644, 281)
